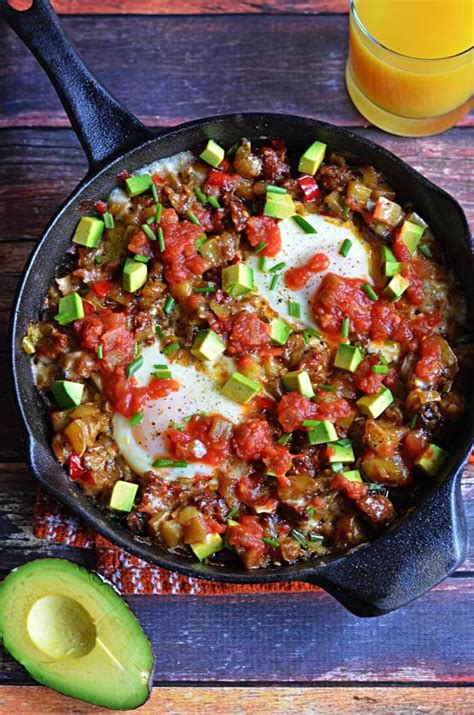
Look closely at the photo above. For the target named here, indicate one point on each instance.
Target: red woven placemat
(129, 574)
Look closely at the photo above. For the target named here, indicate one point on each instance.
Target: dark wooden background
(171, 62)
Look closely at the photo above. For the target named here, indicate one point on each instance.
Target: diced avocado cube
(396, 287)
(432, 459)
(298, 381)
(88, 232)
(352, 476)
(136, 185)
(237, 279)
(208, 547)
(67, 394)
(70, 308)
(391, 268)
(213, 154)
(134, 275)
(123, 495)
(312, 158)
(374, 405)
(338, 453)
(279, 331)
(279, 206)
(240, 388)
(388, 255)
(411, 233)
(207, 345)
(323, 432)
(348, 357)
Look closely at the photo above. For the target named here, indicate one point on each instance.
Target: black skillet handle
(104, 128)
(404, 564)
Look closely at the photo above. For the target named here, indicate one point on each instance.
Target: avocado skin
(21, 581)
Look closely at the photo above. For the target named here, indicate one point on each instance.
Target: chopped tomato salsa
(297, 278)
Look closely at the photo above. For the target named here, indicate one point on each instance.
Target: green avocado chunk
(323, 432)
(70, 308)
(213, 154)
(73, 633)
(207, 345)
(237, 279)
(240, 388)
(374, 405)
(338, 453)
(352, 476)
(123, 495)
(348, 357)
(208, 547)
(312, 158)
(67, 394)
(298, 381)
(396, 287)
(411, 233)
(279, 331)
(88, 232)
(432, 459)
(136, 185)
(134, 275)
(279, 206)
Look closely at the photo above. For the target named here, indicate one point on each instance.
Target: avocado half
(73, 632)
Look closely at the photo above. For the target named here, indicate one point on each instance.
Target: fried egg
(297, 248)
(199, 391)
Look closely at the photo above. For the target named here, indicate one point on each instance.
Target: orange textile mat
(129, 574)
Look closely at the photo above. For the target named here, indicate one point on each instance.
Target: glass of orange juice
(410, 69)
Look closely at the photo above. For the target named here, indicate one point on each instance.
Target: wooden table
(274, 653)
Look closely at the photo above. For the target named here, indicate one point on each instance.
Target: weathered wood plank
(265, 700)
(189, 7)
(303, 638)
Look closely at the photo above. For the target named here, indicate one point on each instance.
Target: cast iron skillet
(426, 544)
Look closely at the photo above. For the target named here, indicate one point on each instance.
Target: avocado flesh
(72, 632)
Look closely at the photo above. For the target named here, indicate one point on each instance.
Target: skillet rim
(84, 507)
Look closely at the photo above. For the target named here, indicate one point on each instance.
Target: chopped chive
(159, 332)
(369, 292)
(344, 442)
(148, 232)
(413, 421)
(311, 423)
(169, 305)
(205, 289)
(309, 333)
(135, 347)
(100, 351)
(272, 189)
(426, 251)
(160, 366)
(232, 149)
(311, 511)
(188, 419)
(200, 194)
(294, 309)
(299, 537)
(274, 281)
(277, 267)
(109, 220)
(159, 211)
(345, 247)
(285, 438)
(346, 325)
(136, 419)
(98, 260)
(380, 369)
(260, 247)
(329, 388)
(214, 202)
(162, 374)
(170, 348)
(271, 542)
(337, 466)
(168, 463)
(233, 512)
(140, 258)
(150, 220)
(154, 191)
(161, 239)
(375, 488)
(133, 367)
(316, 538)
(193, 218)
(383, 359)
(303, 224)
(263, 264)
(177, 426)
(199, 241)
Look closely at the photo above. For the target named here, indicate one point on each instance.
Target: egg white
(297, 248)
(199, 391)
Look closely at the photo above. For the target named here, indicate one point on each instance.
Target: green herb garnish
(299, 537)
(193, 218)
(260, 247)
(136, 419)
(170, 348)
(345, 247)
(294, 309)
(369, 292)
(109, 220)
(135, 365)
(303, 224)
(346, 325)
(169, 305)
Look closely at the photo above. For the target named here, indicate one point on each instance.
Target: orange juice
(410, 68)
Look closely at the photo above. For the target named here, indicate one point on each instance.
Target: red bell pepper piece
(217, 178)
(100, 207)
(102, 288)
(309, 187)
(78, 471)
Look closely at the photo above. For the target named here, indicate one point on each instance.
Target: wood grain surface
(265, 701)
(186, 60)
